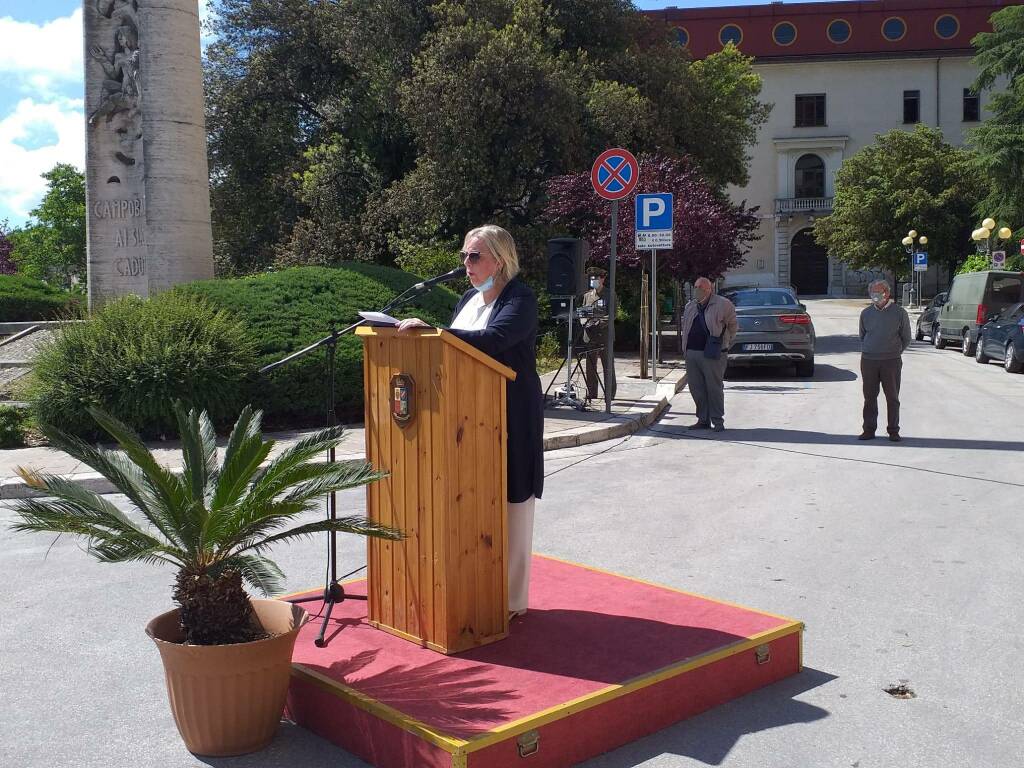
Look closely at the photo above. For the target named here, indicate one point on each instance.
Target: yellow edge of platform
(379, 709)
(559, 711)
(460, 747)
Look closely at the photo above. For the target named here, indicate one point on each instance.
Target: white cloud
(42, 56)
(21, 186)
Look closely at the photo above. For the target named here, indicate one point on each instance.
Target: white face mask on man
(878, 297)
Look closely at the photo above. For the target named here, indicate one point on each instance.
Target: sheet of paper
(379, 318)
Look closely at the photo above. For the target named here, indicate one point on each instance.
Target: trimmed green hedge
(134, 357)
(288, 310)
(24, 298)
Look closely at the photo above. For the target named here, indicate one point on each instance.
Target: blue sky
(41, 104)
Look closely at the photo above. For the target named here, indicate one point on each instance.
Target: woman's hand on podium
(413, 322)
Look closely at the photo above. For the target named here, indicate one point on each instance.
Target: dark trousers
(885, 374)
(706, 378)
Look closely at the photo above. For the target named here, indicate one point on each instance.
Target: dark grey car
(774, 329)
(929, 319)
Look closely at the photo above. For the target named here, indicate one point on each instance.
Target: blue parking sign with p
(654, 212)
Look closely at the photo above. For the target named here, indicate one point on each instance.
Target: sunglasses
(473, 256)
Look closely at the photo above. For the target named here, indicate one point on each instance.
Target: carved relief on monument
(122, 93)
(115, 166)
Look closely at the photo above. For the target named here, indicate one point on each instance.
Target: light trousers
(520, 549)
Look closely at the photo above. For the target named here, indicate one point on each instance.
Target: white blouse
(474, 316)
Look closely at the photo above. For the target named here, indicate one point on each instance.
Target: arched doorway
(808, 264)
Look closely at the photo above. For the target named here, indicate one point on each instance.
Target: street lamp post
(910, 242)
(983, 236)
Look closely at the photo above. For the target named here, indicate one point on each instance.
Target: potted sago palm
(227, 657)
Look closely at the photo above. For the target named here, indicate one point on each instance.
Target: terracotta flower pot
(228, 699)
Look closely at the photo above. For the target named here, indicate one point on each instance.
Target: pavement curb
(636, 418)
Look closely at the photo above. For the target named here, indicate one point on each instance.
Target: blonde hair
(501, 245)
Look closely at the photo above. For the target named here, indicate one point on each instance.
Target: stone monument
(147, 179)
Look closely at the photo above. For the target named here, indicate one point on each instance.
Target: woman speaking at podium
(498, 316)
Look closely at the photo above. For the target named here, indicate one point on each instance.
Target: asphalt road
(903, 560)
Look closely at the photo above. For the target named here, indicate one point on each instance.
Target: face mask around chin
(486, 285)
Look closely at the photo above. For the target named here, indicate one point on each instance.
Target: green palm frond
(356, 525)
(245, 452)
(259, 572)
(277, 476)
(168, 489)
(198, 451)
(111, 535)
(334, 477)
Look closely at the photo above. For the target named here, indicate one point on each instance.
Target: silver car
(774, 329)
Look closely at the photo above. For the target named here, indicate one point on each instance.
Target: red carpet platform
(600, 660)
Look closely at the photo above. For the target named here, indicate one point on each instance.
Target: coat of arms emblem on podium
(402, 388)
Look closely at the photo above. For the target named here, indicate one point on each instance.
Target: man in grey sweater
(884, 335)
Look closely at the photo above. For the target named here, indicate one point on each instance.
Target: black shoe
(866, 436)
(718, 428)
(895, 438)
(700, 425)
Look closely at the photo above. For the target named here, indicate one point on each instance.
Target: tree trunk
(215, 610)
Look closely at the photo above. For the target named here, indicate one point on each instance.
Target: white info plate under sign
(654, 240)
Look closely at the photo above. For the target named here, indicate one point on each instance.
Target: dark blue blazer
(511, 338)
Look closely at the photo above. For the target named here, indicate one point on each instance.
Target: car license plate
(757, 347)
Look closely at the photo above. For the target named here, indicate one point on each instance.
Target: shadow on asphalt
(292, 746)
(805, 437)
(822, 373)
(837, 344)
(711, 736)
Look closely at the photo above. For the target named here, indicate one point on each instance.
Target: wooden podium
(435, 420)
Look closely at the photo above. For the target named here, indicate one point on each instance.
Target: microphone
(455, 274)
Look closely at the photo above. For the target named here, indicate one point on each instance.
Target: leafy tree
(710, 234)
(7, 267)
(499, 104)
(358, 129)
(903, 181)
(52, 247)
(298, 94)
(1000, 139)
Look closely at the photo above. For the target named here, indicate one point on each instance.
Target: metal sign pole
(609, 352)
(654, 315)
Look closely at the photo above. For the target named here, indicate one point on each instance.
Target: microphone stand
(334, 592)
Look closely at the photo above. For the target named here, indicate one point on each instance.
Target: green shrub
(980, 262)
(134, 357)
(24, 298)
(289, 310)
(13, 422)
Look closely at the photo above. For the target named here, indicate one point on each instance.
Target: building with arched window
(837, 74)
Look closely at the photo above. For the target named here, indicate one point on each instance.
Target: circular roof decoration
(784, 33)
(839, 31)
(947, 27)
(730, 33)
(894, 29)
(680, 36)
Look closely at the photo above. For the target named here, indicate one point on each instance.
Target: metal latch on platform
(528, 743)
(763, 653)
